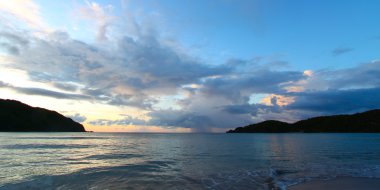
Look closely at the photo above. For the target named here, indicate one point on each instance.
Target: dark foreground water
(182, 161)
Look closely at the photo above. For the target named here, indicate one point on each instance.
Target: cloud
(128, 120)
(337, 101)
(162, 65)
(242, 109)
(308, 73)
(341, 50)
(10, 49)
(100, 15)
(12, 43)
(173, 88)
(78, 118)
(50, 93)
(14, 38)
(127, 76)
(3, 84)
(66, 86)
(197, 122)
(44, 92)
(26, 11)
(365, 75)
(139, 70)
(260, 80)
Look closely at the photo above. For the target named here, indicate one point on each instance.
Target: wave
(160, 175)
(62, 138)
(112, 156)
(44, 146)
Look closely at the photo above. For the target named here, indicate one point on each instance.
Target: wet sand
(344, 183)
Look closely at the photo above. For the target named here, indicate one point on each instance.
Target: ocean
(182, 161)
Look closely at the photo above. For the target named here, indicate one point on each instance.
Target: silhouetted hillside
(366, 122)
(18, 117)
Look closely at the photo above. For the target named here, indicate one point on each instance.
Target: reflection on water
(181, 161)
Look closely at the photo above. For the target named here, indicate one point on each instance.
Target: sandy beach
(346, 183)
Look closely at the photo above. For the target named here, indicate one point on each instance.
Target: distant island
(366, 122)
(19, 117)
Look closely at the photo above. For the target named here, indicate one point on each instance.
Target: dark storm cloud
(257, 81)
(198, 123)
(341, 50)
(173, 118)
(364, 76)
(44, 92)
(50, 93)
(337, 101)
(241, 109)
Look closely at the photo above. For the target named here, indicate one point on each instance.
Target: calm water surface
(182, 161)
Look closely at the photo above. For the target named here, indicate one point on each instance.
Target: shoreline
(346, 183)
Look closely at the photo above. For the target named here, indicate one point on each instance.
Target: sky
(190, 65)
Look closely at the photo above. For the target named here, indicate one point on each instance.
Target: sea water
(182, 161)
